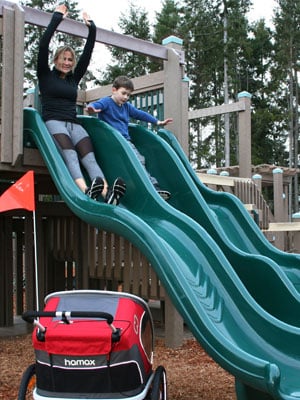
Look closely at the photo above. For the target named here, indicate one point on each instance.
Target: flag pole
(35, 263)
(21, 195)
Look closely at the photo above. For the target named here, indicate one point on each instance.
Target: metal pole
(226, 96)
(36, 264)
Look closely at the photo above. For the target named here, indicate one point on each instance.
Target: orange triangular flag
(19, 195)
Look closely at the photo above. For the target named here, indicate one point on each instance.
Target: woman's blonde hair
(61, 50)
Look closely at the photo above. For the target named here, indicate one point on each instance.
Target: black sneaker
(96, 188)
(114, 193)
(164, 194)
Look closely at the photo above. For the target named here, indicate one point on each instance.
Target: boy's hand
(165, 122)
(91, 109)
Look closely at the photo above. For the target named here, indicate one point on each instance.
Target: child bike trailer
(93, 345)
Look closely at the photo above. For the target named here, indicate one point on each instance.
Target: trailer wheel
(27, 383)
(159, 384)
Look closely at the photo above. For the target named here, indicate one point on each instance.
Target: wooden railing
(73, 255)
(246, 190)
(249, 194)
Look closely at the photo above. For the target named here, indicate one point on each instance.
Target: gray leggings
(76, 147)
(142, 160)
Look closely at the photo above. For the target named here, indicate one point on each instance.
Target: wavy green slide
(212, 285)
(233, 221)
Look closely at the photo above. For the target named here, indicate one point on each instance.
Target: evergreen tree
(206, 53)
(125, 62)
(285, 72)
(167, 23)
(287, 55)
(202, 40)
(268, 135)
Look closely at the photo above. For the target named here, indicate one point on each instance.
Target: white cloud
(107, 17)
(262, 9)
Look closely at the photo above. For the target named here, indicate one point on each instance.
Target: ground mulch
(191, 373)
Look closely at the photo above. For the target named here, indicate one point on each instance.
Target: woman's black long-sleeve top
(58, 95)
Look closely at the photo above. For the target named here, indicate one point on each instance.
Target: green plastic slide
(240, 329)
(233, 226)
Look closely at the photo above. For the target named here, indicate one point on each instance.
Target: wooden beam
(152, 81)
(209, 179)
(75, 28)
(222, 109)
(283, 227)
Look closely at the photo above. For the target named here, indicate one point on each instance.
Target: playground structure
(17, 157)
(231, 287)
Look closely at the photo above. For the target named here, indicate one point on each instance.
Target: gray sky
(108, 17)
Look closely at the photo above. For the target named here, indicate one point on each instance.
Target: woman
(58, 88)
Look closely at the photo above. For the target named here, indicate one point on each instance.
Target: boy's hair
(124, 82)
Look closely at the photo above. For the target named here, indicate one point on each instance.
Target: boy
(116, 111)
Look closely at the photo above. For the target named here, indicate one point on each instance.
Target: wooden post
(6, 273)
(7, 85)
(19, 270)
(12, 85)
(245, 136)
(257, 180)
(29, 263)
(212, 171)
(176, 91)
(296, 218)
(173, 325)
(184, 137)
(286, 202)
(278, 192)
(17, 112)
(83, 259)
(224, 173)
(278, 204)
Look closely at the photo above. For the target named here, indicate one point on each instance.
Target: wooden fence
(246, 190)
